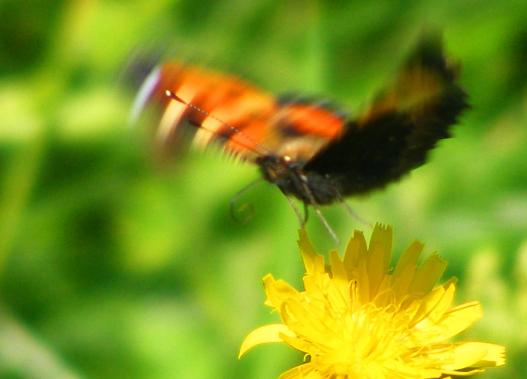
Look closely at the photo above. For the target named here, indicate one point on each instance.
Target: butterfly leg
(325, 222)
(306, 213)
(301, 219)
(354, 214)
(318, 212)
(235, 206)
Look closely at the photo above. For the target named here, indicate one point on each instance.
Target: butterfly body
(292, 179)
(308, 148)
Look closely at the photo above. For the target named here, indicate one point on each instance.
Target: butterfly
(308, 148)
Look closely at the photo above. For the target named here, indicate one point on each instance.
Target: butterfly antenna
(173, 95)
(236, 208)
(194, 107)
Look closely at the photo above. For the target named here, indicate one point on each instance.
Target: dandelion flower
(357, 318)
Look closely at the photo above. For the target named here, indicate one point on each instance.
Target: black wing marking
(396, 133)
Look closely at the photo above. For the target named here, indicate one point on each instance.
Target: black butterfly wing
(396, 133)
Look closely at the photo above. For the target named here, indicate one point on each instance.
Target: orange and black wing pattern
(307, 148)
(202, 108)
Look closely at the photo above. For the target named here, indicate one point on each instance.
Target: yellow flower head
(358, 318)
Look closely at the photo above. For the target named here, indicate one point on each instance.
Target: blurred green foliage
(113, 268)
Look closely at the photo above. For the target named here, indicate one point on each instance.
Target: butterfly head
(278, 169)
(289, 175)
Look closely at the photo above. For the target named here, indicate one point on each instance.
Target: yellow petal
(338, 270)
(495, 355)
(315, 285)
(313, 262)
(277, 291)
(355, 251)
(363, 282)
(428, 274)
(300, 344)
(441, 304)
(264, 334)
(379, 254)
(304, 371)
(339, 277)
(404, 272)
(305, 320)
(459, 318)
(475, 355)
(436, 301)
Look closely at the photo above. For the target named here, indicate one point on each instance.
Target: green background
(113, 267)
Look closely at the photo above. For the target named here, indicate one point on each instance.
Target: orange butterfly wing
(220, 109)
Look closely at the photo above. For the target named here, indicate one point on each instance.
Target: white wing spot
(144, 93)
